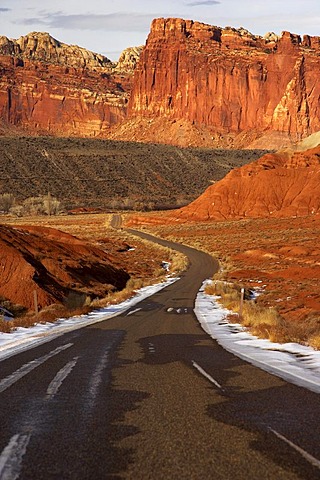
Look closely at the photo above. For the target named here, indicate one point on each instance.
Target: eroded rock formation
(228, 80)
(54, 264)
(277, 185)
(194, 84)
(49, 87)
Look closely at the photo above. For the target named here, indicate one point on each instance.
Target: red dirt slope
(276, 185)
(54, 264)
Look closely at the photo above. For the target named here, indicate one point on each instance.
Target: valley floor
(280, 257)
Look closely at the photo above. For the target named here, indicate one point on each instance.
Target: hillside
(55, 265)
(277, 185)
(103, 173)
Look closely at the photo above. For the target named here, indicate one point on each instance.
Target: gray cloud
(197, 3)
(5, 9)
(126, 22)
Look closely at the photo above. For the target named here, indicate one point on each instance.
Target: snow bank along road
(148, 394)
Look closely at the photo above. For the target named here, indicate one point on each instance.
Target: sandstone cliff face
(49, 87)
(194, 84)
(228, 80)
(42, 47)
(276, 185)
(128, 59)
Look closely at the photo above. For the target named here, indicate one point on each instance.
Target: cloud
(125, 22)
(198, 3)
(5, 9)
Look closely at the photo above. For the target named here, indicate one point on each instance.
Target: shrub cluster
(41, 205)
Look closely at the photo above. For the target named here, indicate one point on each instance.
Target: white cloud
(126, 22)
(198, 3)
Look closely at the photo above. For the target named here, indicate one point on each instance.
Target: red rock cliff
(228, 80)
(50, 87)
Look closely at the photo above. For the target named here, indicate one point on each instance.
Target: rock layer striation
(228, 80)
(49, 87)
(53, 264)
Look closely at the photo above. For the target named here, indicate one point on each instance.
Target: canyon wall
(192, 84)
(47, 87)
(228, 80)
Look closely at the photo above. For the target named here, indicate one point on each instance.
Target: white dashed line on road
(205, 374)
(11, 456)
(133, 311)
(314, 461)
(60, 377)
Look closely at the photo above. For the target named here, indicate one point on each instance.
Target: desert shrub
(41, 205)
(17, 210)
(7, 201)
(33, 206)
(5, 326)
(52, 206)
(75, 300)
(261, 321)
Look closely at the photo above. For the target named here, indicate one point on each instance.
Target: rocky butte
(48, 87)
(232, 85)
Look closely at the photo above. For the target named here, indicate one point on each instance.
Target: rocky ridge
(227, 80)
(41, 46)
(192, 84)
(49, 87)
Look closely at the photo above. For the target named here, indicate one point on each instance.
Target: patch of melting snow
(166, 266)
(24, 338)
(295, 363)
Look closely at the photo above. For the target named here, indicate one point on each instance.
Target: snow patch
(295, 363)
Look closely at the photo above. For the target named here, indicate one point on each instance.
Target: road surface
(148, 395)
(116, 221)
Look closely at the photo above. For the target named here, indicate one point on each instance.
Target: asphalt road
(148, 395)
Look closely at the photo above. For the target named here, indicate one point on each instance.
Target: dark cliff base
(111, 174)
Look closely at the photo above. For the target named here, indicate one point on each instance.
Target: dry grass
(265, 322)
(314, 341)
(250, 253)
(143, 263)
(259, 320)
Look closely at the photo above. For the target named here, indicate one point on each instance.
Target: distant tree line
(41, 205)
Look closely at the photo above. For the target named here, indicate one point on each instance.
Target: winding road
(149, 395)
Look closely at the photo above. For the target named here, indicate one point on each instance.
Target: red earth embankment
(53, 264)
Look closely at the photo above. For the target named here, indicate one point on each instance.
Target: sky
(110, 26)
